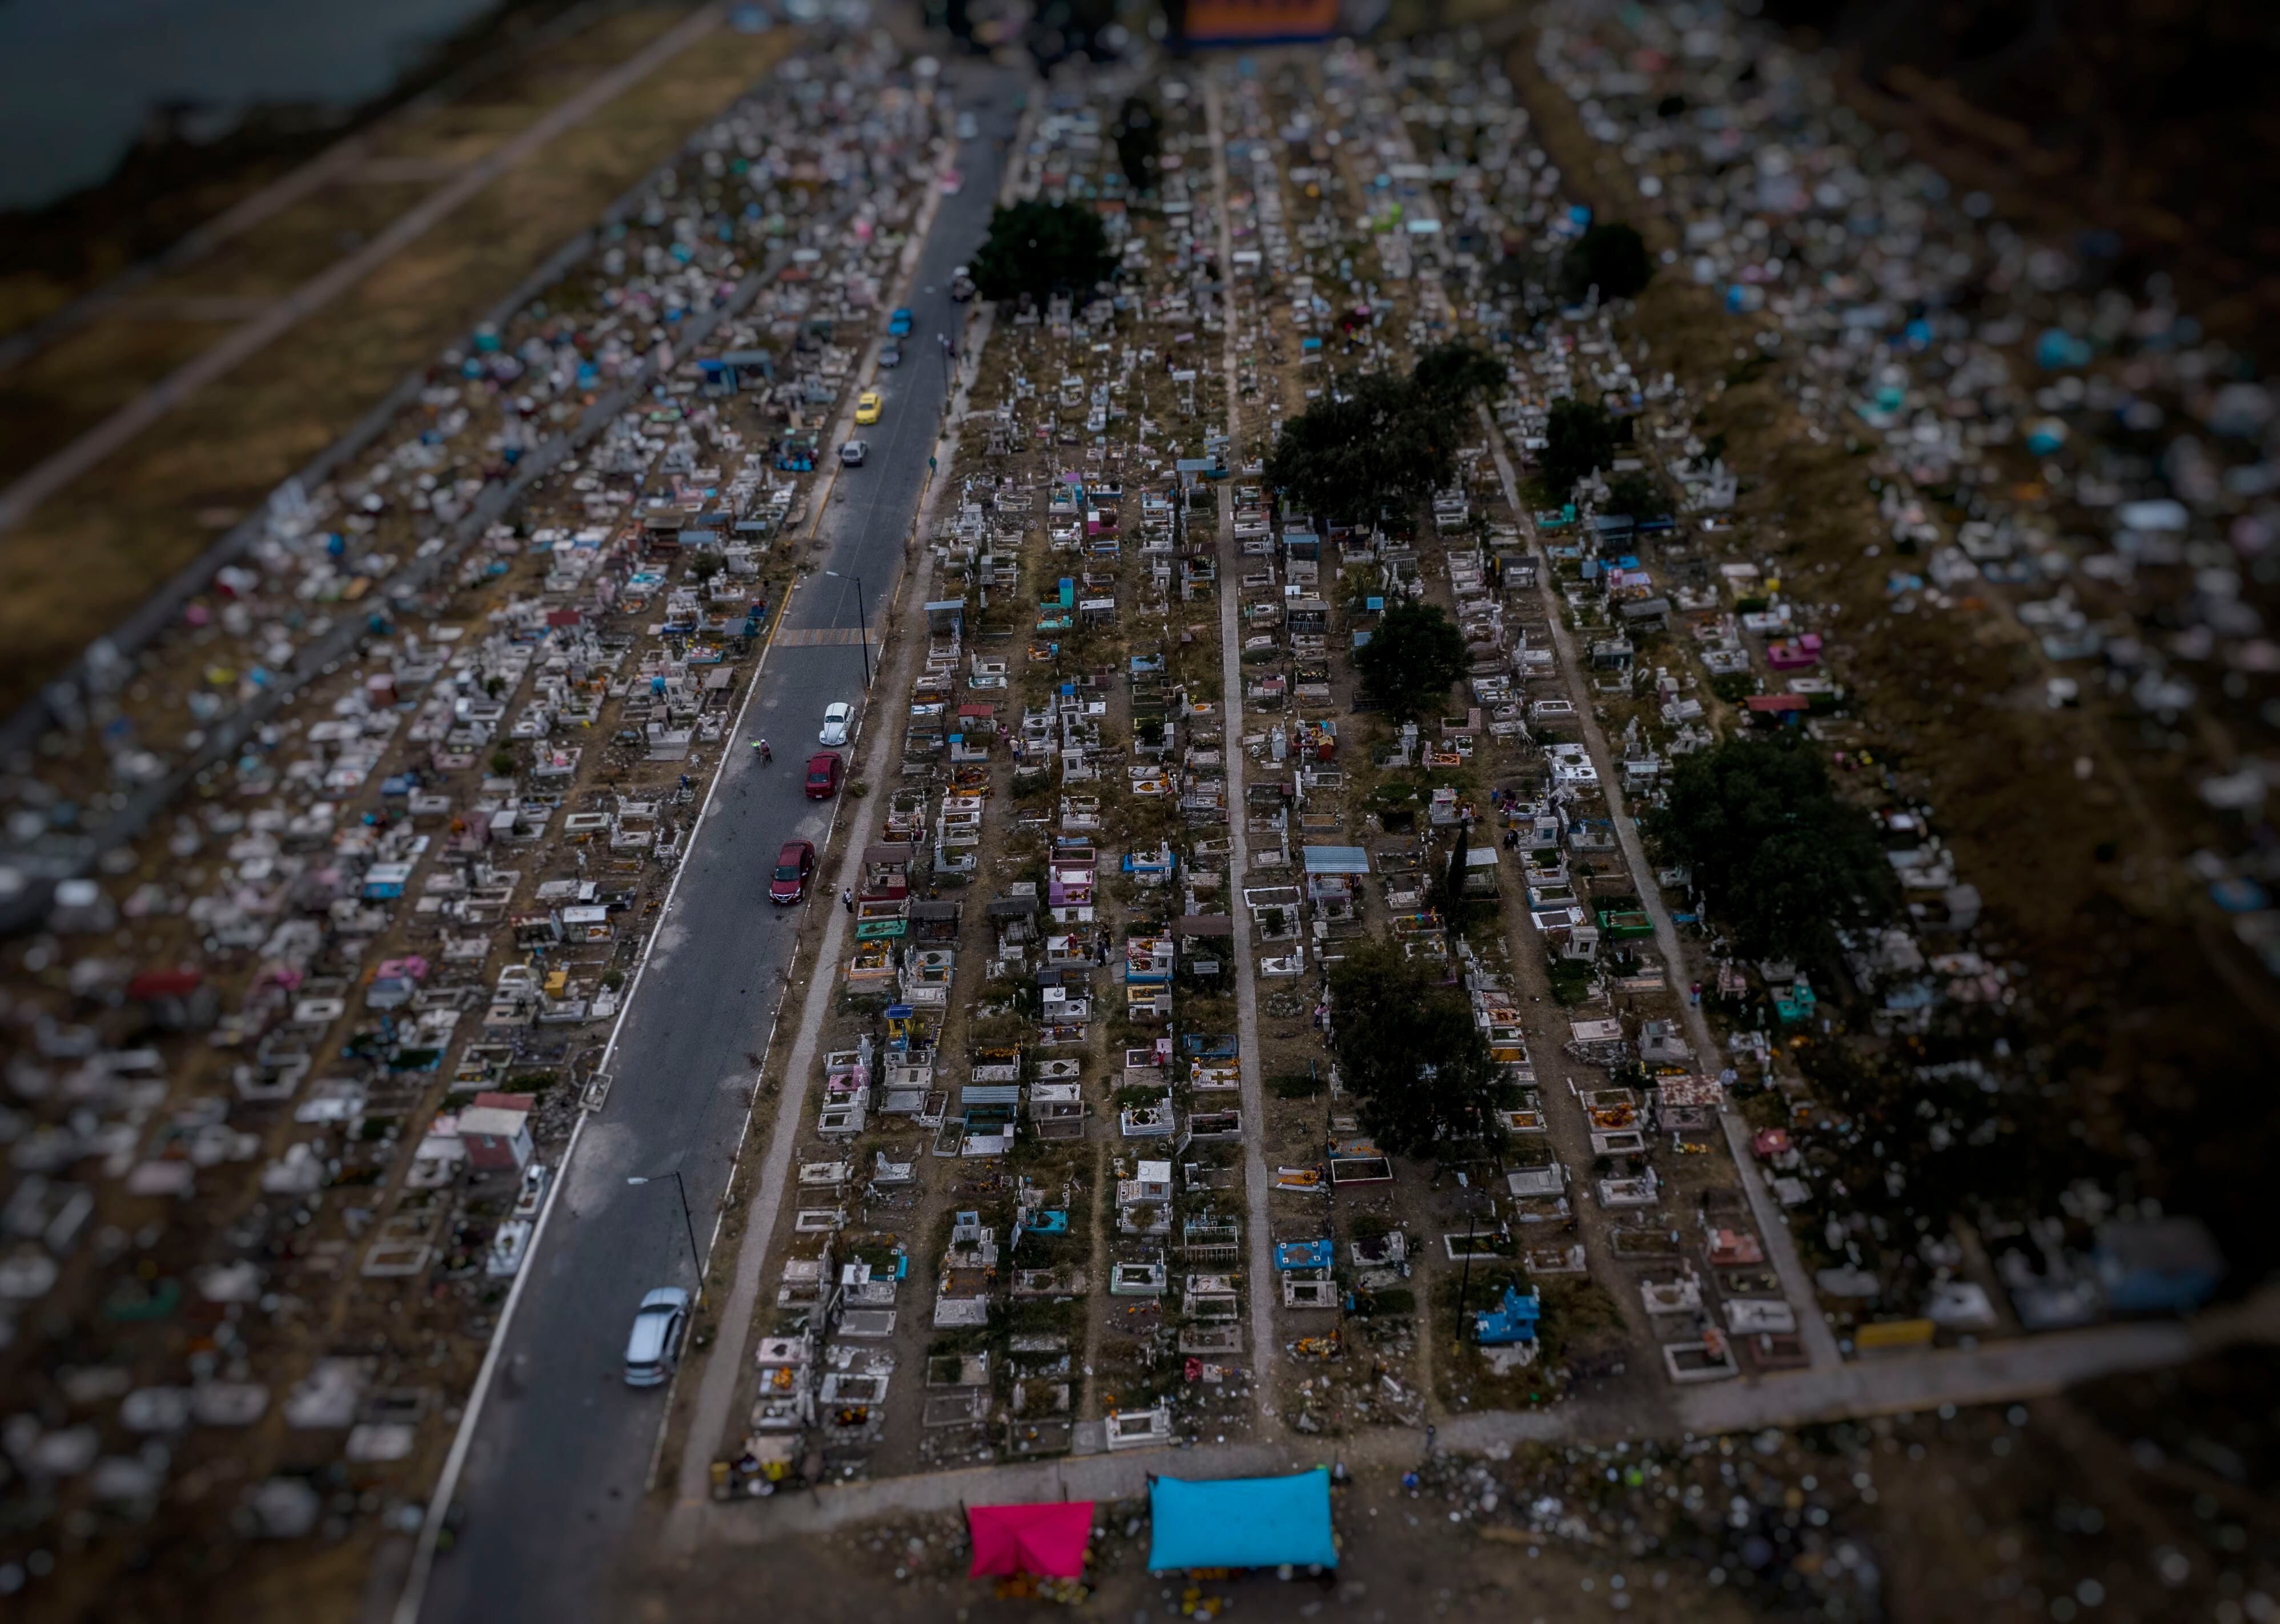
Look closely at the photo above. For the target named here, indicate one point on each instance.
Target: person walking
(847, 900)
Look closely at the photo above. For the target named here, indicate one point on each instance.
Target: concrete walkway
(1912, 1384)
(1772, 1227)
(1258, 1240)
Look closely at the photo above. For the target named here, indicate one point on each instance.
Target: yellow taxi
(867, 407)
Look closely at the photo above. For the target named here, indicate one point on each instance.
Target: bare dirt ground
(2139, 1498)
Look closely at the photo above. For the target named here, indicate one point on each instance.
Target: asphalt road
(563, 1447)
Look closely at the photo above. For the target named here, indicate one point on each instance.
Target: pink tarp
(1047, 1540)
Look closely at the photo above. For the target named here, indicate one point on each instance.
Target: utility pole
(862, 625)
(687, 1222)
(1464, 1275)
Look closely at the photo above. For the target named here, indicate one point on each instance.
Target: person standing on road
(847, 900)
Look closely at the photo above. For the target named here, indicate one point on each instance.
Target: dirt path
(1259, 1239)
(1781, 1245)
(1088, 1405)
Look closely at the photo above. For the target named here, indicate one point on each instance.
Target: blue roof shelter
(1242, 1522)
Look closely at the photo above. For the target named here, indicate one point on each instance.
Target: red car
(823, 772)
(794, 867)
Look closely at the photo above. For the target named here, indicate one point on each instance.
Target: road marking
(829, 637)
(422, 1567)
(867, 372)
(716, 1389)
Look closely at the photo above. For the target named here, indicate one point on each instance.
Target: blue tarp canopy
(1336, 859)
(1242, 1522)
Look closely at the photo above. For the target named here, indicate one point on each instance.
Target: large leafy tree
(1449, 897)
(1448, 378)
(1935, 1130)
(1413, 656)
(1582, 437)
(1380, 441)
(1408, 1051)
(1636, 495)
(1138, 135)
(1041, 249)
(1354, 453)
(1612, 258)
(1780, 861)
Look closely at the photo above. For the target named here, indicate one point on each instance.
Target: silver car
(654, 1346)
(838, 721)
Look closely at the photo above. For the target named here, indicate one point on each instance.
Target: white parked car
(654, 1346)
(839, 723)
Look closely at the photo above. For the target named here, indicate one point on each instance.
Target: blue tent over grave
(1242, 1522)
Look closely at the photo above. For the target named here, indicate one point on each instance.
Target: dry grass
(2151, 1012)
(93, 553)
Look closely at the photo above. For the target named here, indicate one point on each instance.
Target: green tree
(1379, 442)
(1448, 378)
(1780, 861)
(1636, 495)
(1041, 249)
(1412, 656)
(1353, 453)
(1582, 437)
(1938, 1129)
(1408, 1051)
(1138, 135)
(1449, 895)
(1611, 258)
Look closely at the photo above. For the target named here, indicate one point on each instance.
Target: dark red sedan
(794, 867)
